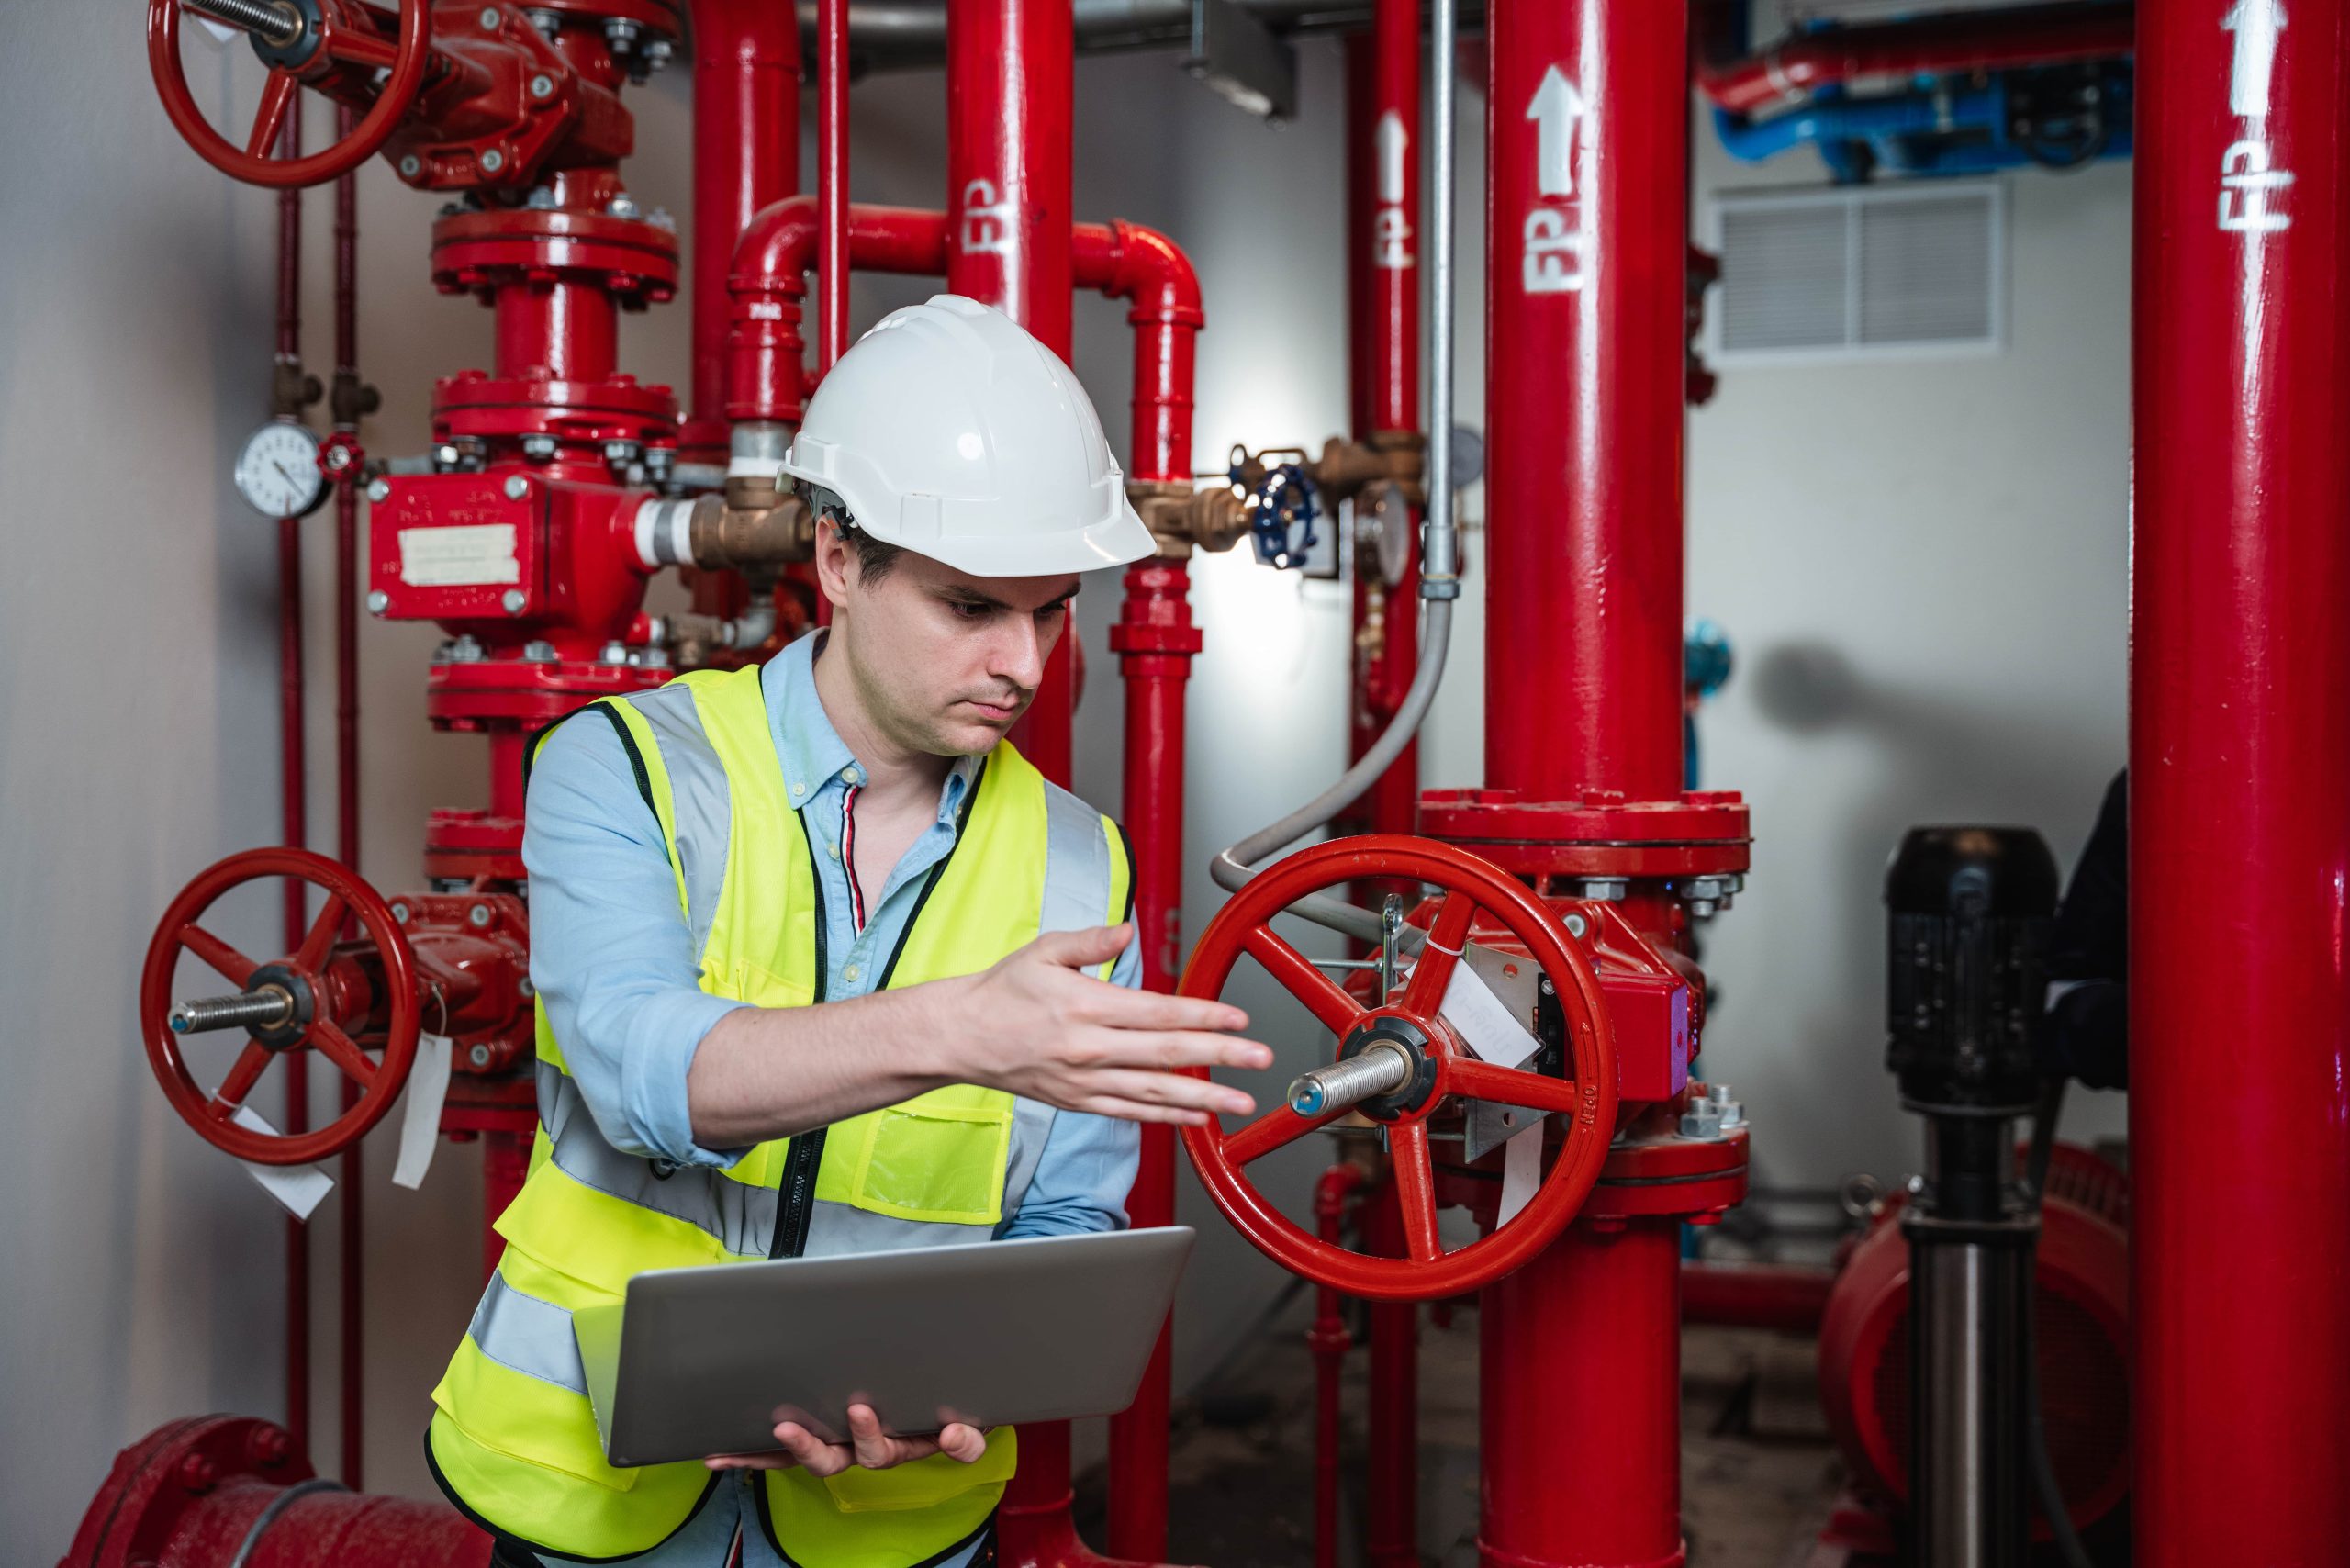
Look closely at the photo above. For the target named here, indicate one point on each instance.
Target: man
(820, 966)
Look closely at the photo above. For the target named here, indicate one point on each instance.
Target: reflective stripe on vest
(513, 1439)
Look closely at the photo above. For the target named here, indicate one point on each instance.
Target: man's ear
(836, 562)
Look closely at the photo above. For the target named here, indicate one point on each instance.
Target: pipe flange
(295, 1026)
(302, 47)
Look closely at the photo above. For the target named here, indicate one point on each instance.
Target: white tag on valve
(301, 1188)
(223, 35)
(427, 1090)
(1488, 1026)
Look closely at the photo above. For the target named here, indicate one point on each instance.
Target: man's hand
(869, 1447)
(1038, 1026)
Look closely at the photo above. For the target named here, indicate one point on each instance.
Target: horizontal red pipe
(1982, 41)
(1125, 261)
(1755, 1295)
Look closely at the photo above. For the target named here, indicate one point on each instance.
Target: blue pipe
(1826, 120)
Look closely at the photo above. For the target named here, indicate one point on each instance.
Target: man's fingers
(1136, 1111)
(801, 1447)
(1174, 1090)
(1165, 1050)
(875, 1450)
(1078, 949)
(963, 1443)
(1121, 1008)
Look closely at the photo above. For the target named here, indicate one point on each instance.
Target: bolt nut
(543, 86)
(477, 916)
(538, 448)
(269, 1446)
(490, 17)
(379, 490)
(410, 166)
(657, 53)
(613, 654)
(478, 1055)
(513, 601)
(620, 34)
(538, 651)
(623, 453)
(622, 206)
(517, 486)
(492, 161)
(378, 601)
(525, 989)
(198, 1473)
(399, 912)
(1576, 927)
(464, 651)
(1602, 889)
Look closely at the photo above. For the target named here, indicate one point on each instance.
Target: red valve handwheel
(343, 38)
(1464, 885)
(304, 972)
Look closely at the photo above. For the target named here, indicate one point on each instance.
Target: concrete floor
(1759, 1471)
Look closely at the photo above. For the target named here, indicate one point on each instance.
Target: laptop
(699, 1361)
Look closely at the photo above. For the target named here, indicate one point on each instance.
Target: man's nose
(1019, 653)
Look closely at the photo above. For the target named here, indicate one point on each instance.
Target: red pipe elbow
(1126, 261)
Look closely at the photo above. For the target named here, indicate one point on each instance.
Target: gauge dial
(277, 473)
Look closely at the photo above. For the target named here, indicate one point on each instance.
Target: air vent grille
(1859, 274)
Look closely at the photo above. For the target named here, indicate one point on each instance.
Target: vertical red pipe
(746, 156)
(1329, 1340)
(832, 183)
(346, 785)
(1579, 1394)
(1383, 354)
(293, 794)
(2240, 766)
(1010, 80)
(1587, 236)
(1392, 1532)
(562, 329)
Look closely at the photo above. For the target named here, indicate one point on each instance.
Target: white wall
(1921, 566)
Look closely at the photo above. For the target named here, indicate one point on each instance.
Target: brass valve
(1345, 467)
(1181, 518)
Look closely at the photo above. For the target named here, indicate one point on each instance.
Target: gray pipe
(1440, 553)
(890, 35)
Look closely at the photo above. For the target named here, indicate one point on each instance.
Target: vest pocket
(937, 1158)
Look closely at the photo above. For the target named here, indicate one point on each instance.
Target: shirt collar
(811, 751)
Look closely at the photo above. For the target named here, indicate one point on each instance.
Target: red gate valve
(1401, 1062)
(335, 46)
(341, 999)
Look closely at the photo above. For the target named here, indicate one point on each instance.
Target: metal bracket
(1242, 60)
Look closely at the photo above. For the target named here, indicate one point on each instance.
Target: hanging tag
(301, 1188)
(428, 1088)
(222, 33)
(1483, 1021)
(1521, 1168)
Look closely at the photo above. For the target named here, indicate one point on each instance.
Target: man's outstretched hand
(869, 1447)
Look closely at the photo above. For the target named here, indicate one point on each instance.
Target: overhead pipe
(2239, 767)
(1792, 69)
(911, 33)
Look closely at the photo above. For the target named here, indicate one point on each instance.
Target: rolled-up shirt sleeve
(610, 952)
(1089, 1162)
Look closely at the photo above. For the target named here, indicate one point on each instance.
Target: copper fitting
(1181, 518)
(1347, 468)
(752, 528)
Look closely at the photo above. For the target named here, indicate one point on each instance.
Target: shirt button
(851, 972)
(848, 774)
(833, 850)
(799, 789)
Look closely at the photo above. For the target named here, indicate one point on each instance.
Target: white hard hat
(950, 431)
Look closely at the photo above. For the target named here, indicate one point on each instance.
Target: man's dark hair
(874, 558)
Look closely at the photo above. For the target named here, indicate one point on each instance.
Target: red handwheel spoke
(1424, 993)
(321, 934)
(233, 966)
(1407, 1147)
(356, 48)
(1508, 1086)
(339, 1048)
(1275, 1129)
(1296, 974)
(274, 99)
(249, 1066)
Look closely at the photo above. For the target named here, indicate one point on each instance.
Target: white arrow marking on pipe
(2255, 24)
(1392, 145)
(1557, 104)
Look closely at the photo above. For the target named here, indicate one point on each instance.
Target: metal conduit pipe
(1440, 543)
(887, 35)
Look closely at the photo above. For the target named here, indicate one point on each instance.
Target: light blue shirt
(614, 959)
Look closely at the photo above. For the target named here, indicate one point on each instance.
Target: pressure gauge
(278, 474)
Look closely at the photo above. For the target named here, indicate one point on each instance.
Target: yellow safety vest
(513, 1438)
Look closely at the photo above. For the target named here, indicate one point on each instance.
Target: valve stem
(263, 1009)
(1381, 1068)
(277, 23)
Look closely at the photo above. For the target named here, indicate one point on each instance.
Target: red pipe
(2240, 763)
(1383, 224)
(1755, 1295)
(1329, 1342)
(1579, 1377)
(747, 158)
(1584, 364)
(1392, 1535)
(293, 794)
(351, 1244)
(558, 330)
(1982, 41)
(832, 182)
(1011, 76)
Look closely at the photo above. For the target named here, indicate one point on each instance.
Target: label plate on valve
(452, 546)
(460, 556)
